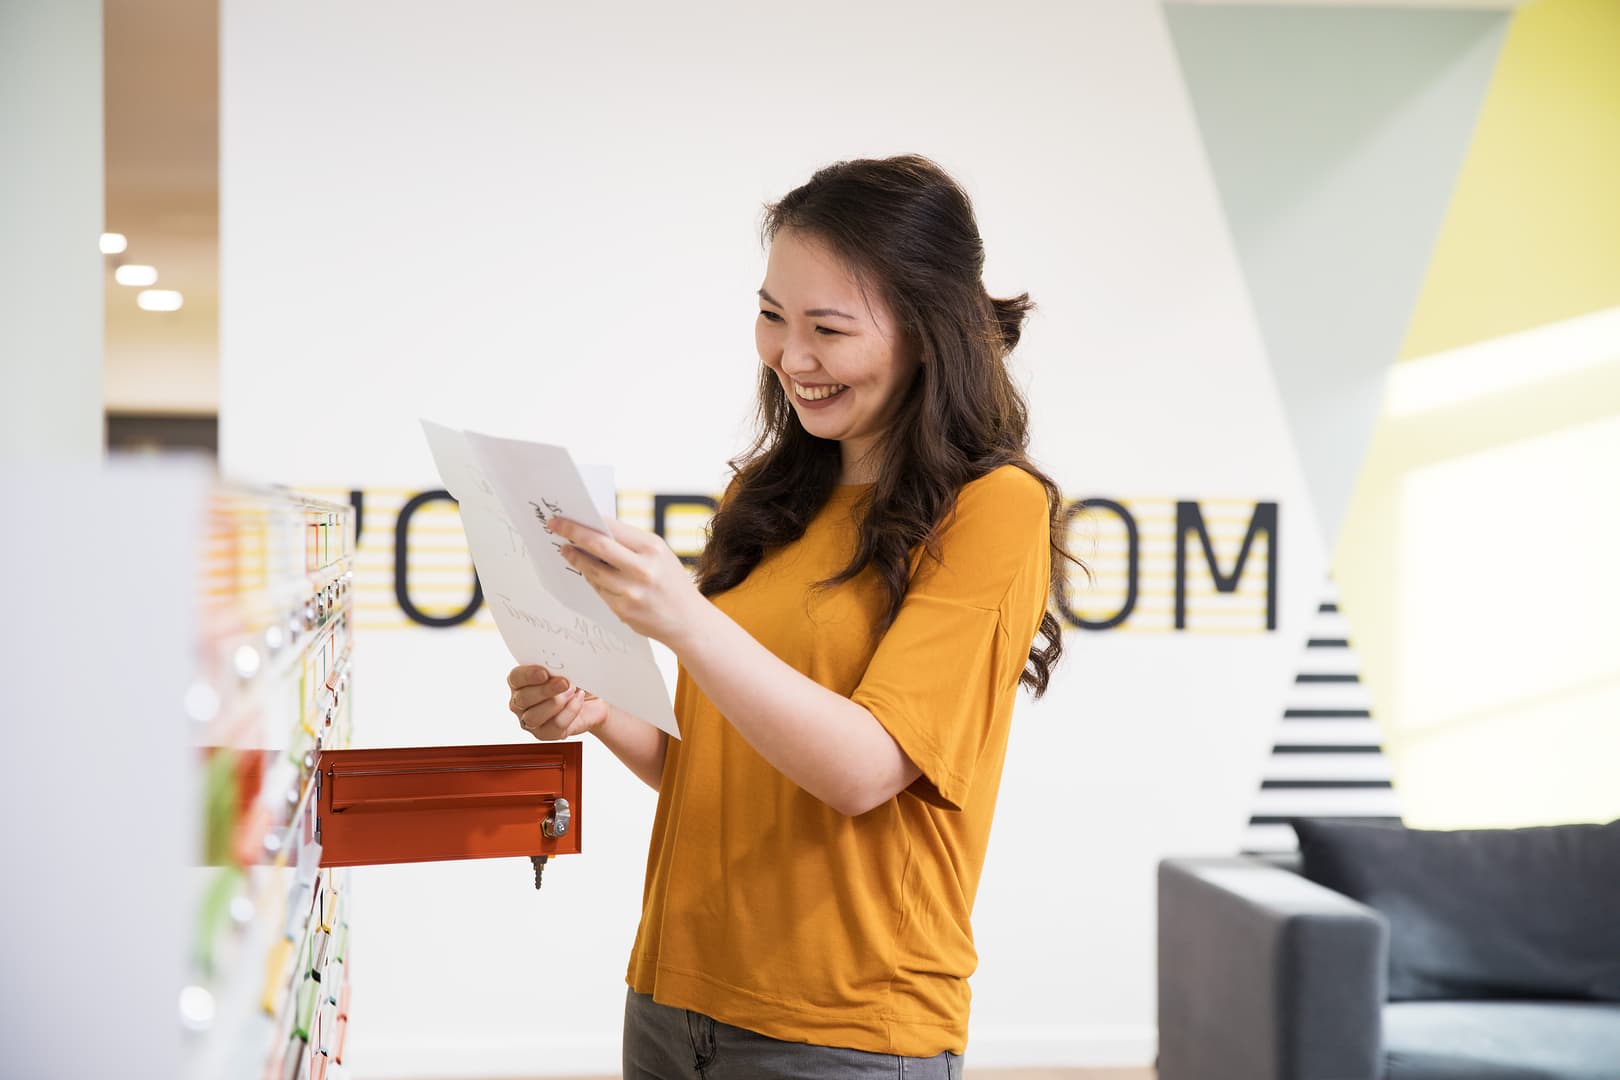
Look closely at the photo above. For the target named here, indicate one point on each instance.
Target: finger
(570, 715)
(587, 539)
(571, 711)
(546, 732)
(543, 706)
(555, 726)
(538, 716)
(526, 675)
(529, 696)
(607, 580)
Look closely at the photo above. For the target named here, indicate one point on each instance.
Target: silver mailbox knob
(561, 817)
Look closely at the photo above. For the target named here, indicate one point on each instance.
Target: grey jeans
(664, 1043)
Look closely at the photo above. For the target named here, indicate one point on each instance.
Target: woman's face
(835, 348)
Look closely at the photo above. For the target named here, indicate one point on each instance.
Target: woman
(864, 612)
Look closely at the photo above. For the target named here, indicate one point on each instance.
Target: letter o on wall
(402, 591)
(1133, 549)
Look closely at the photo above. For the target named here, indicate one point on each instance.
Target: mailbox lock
(557, 823)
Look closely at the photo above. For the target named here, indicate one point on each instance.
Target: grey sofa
(1264, 975)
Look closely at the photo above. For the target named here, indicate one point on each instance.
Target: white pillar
(51, 209)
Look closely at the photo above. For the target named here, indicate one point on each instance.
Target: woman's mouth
(822, 392)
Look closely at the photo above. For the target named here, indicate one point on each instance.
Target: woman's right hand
(548, 708)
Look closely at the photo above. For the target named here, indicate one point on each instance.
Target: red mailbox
(428, 803)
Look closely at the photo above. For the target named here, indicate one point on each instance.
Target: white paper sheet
(547, 613)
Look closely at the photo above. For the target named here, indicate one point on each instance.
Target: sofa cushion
(1482, 913)
(1501, 1040)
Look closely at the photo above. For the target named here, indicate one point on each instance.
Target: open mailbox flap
(429, 803)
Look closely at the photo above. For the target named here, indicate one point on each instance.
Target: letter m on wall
(1190, 520)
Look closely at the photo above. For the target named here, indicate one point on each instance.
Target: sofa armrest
(1264, 975)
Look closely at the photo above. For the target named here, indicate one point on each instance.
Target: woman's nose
(798, 357)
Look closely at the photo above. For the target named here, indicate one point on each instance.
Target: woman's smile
(816, 395)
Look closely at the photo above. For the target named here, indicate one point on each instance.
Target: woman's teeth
(816, 393)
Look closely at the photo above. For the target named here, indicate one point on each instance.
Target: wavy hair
(907, 230)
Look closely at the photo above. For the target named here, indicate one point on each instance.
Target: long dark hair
(906, 229)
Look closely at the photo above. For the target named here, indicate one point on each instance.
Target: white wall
(99, 799)
(50, 220)
(1335, 185)
(540, 220)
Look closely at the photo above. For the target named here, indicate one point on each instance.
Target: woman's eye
(775, 317)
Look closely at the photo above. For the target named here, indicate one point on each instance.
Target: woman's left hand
(637, 575)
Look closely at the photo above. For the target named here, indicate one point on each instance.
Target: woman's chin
(814, 421)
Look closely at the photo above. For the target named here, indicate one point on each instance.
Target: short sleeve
(948, 667)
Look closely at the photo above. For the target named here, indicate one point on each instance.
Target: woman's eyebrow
(813, 313)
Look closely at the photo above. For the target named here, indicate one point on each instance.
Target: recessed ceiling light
(113, 243)
(159, 300)
(135, 274)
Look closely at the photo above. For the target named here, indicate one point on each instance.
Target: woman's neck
(858, 462)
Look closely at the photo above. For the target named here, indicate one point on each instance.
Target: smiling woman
(865, 611)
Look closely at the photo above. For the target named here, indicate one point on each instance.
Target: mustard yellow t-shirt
(769, 910)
